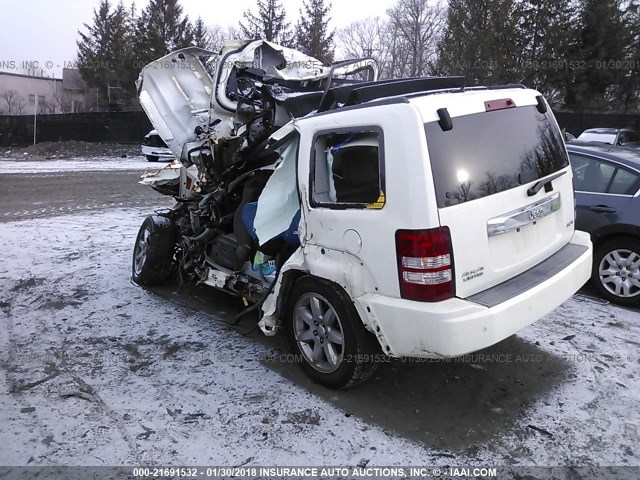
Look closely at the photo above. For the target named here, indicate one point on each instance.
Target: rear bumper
(459, 326)
(160, 152)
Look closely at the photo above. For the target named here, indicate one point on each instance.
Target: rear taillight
(425, 264)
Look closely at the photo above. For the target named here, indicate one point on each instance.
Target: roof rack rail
(497, 87)
(348, 95)
(468, 89)
(355, 94)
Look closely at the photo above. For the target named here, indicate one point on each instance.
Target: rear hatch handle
(603, 209)
(539, 185)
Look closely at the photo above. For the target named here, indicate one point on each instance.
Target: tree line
(584, 55)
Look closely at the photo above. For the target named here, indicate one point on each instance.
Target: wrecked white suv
(365, 218)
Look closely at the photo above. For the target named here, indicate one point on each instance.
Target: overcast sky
(46, 31)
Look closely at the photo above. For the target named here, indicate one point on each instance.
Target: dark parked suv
(607, 185)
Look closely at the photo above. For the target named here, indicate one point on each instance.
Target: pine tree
(105, 57)
(93, 48)
(161, 29)
(201, 35)
(629, 95)
(480, 41)
(122, 54)
(269, 24)
(546, 34)
(312, 31)
(599, 47)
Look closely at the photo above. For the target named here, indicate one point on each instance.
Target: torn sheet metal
(175, 92)
(278, 203)
(269, 322)
(191, 109)
(166, 176)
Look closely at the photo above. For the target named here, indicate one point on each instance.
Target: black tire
(156, 238)
(359, 355)
(617, 256)
(152, 158)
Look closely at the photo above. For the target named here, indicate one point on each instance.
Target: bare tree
(416, 26)
(368, 38)
(219, 35)
(63, 104)
(48, 106)
(14, 102)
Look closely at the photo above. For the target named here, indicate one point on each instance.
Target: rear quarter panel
(408, 201)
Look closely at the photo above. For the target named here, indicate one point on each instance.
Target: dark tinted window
(490, 152)
(591, 175)
(626, 137)
(595, 176)
(347, 169)
(624, 183)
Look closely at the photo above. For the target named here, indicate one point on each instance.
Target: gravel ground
(71, 149)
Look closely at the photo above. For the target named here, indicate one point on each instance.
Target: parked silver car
(611, 136)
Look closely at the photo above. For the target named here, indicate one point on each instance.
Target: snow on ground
(97, 371)
(594, 413)
(73, 322)
(95, 164)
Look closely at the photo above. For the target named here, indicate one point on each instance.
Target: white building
(20, 93)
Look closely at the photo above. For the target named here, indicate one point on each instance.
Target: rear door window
(595, 176)
(591, 175)
(490, 152)
(347, 169)
(627, 137)
(624, 182)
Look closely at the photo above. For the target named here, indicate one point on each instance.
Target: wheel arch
(625, 293)
(288, 279)
(603, 235)
(341, 269)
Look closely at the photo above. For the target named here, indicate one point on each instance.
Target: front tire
(616, 271)
(153, 254)
(324, 327)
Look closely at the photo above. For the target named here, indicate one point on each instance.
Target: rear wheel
(153, 254)
(152, 158)
(325, 329)
(616, 271)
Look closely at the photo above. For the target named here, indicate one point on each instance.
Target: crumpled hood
(179, 95)
(175, 92)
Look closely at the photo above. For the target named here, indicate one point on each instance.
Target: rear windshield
(489, 152)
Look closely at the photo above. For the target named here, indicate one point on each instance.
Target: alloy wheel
(318, 332)
(140, 252)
